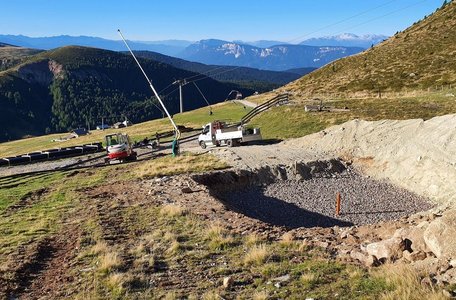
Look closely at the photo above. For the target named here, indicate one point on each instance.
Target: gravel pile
(311, 203)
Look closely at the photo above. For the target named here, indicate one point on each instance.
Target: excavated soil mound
(415, 154)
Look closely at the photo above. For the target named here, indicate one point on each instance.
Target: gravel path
(312, 203)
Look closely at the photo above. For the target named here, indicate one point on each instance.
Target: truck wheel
(203, 144)
(229, 143)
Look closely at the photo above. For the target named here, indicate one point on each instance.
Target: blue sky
(248, 20)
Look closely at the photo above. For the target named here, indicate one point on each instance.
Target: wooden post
(338, 204)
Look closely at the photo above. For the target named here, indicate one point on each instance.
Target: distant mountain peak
(347, 40)
(276, 58)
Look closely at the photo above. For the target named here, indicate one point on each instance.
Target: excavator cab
(119, 147)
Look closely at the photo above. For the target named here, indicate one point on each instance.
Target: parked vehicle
(218, 133)
(119, 147)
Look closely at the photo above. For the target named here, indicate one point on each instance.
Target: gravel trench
(311, 203)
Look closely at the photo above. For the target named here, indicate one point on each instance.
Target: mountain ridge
(276, 58)
(68, 87)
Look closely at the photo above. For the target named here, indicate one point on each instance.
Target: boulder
(413, 256)
(430, 265)
(367, 260)
(228, 282)
(388, 250)
(414, 237)
(449, 277)
(439, 235)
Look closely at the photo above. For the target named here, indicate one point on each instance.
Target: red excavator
(119, 147)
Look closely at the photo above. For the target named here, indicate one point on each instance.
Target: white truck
(217, 133)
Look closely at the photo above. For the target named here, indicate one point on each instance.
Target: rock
(413, 256)
(283, 278)
(321, 244)
(427, 282)
(439, 235)
(447, 293)
(228, 282)
(449, 277)
(429, 265)
(371, 261)
(357, 255)
(186, 190)
(453, 263)
(367, 260)
(389, 249)
(414, 237)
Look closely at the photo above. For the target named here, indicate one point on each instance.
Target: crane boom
(177, 132)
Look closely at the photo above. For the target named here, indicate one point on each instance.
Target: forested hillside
(68, 87)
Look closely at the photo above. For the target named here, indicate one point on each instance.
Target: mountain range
(262, 54)
(169, 47)
(346, 40)
(240, 75)
(276, 58)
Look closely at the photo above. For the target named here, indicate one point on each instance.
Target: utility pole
(181, 83)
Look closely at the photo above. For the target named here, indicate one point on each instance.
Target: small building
(118, 125)
(103, 127)
(79, 132)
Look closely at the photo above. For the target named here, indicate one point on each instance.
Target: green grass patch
(196, 119)
(292, 121)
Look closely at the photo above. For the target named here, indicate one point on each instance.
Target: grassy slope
(170, 235)
(292, 121)
(195, 119)
(11, 56)
(418, 58)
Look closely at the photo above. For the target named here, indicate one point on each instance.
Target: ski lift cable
(177, 132)
(224, 71)
(342, 21)
(165, 88)
(385, 15)
(202, 95)
(204, 73)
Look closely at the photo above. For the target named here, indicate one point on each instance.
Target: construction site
(304, 192)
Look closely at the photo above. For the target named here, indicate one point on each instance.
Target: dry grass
(144, 263)
(139, 250)
(287, 239)
(211, 295)
(218, 237)
(307, 279)
(257, 255)
(169, 236)
(252, 239)
(175, 247)
(117, 280)
(171, 296)
(172, 210)
(110, 261)
(99, 247)
(263, 295)
(186, 163)
(406, 284)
